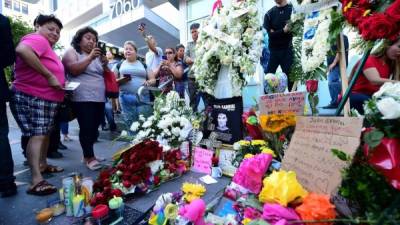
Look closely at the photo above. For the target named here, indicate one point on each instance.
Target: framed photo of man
(226, 119)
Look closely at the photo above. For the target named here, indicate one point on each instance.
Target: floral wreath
(371, 23)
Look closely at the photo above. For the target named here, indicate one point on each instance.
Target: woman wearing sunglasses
(168, 71)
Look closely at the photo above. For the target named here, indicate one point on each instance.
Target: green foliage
(336, 27)
(363, 185)
(19, 28)
(341, 155)
(373, 138)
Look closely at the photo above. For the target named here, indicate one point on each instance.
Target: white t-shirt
(152, 60)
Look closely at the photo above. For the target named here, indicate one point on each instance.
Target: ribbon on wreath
(217, 4)
(386, 159)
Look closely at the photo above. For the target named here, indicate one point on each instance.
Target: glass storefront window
(25, 8)
(8, 4)
(17, 6)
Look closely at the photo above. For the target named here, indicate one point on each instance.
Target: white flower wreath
(231, 37)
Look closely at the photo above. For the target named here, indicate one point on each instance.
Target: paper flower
(276, 214)
(250, 172)
(192, 191)
(281, 187)
(316, 207)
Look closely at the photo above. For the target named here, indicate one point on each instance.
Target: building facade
(117, 21)
(25, 10)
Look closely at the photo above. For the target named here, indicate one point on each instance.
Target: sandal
(42, 188)
(52, 169)
(94, 165)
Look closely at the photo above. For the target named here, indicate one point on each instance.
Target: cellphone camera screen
(164, 57)
(102, 46)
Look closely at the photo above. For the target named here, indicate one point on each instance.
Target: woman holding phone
(169, 69)
(131, 76)
(85, 63)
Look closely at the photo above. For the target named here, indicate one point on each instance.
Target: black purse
(66, 113)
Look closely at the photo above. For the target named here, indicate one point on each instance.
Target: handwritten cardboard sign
(202, 160)
(309, 153)
(312, 7)
(280, 103)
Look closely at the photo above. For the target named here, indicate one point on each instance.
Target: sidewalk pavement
(20, 209)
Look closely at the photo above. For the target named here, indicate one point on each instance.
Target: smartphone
(141, 26)
(127, 76)
(102, 46)
(164, 57)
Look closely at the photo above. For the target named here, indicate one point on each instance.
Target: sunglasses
(168, 53)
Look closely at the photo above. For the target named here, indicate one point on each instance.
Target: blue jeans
(357, 101)
(132, 108)
(6, 160)
(109, 115)
(64, 127)
(334, 84)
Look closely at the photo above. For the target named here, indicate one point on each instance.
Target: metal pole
(352, 82)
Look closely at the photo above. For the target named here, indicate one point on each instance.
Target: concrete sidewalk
(20, 209)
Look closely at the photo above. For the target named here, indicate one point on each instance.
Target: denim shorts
(35, 116)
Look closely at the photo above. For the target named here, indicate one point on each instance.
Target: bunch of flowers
(240, 49)
(251, 171)
(170, 124)
(372, 21)
(275, 123)
(135, 170)
(192, 191)
(275, 83)
(249, 148)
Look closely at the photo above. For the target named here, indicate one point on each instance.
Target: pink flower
(275, 214)
(251, 213)
(251, 171)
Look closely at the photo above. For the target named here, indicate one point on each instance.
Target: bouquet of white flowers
(170, 124)
(232, 37)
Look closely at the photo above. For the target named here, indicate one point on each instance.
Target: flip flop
(98, 158)
(52, 169)
(94, 165)
(42, 188)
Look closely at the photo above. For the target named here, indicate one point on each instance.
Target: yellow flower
(258, 142)
(276, 122)
(192, 191)
(248, 155)
(281, 187)
(244, 143)
(245, 221)
(267, 150)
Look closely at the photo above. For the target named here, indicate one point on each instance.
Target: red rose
(105, 174)
(215, 160)
(393, 11)
(156, 180)
(99, 197)
(127, 183)
(135, 179)
(116, 192)
(377, 26)
(312, 86)
(93, 202)
(364, 3)
(106, 182)
(121, 167)
(354, 15)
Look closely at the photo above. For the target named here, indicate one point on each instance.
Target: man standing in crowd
(154, 55)
(7, 58)
(191, 56)
(334, 79)
(181, 85)
(280, 39)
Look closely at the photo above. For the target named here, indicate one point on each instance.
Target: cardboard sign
(202, 160)
(280, 103)
(226, 155)
(312, 7)
(309, 153)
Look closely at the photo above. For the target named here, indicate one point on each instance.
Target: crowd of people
(37, 93)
